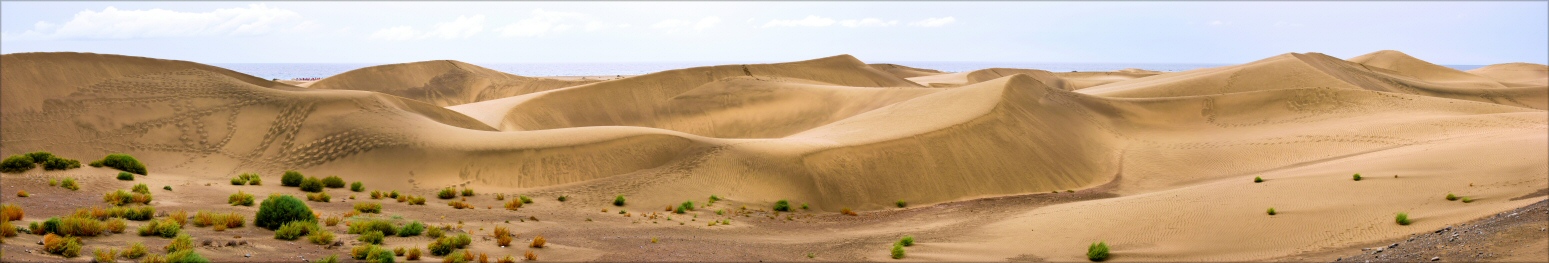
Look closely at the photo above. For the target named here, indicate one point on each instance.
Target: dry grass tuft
(538, 241)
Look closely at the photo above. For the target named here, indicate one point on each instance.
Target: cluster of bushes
(240, 198)
(247, 179)
(371, 253)
(333, 182)
(684, 207)
(460, 205)
(165, 227)
(220, 221)
(368, 207)
(136, 213)
(295, 229)
(513, 205)
(503, 236)
(447, 193)
(319, 197)
(122, 162)
(23, 162)
(364, 226)
(445, 245)
(69, 183)
(70, 226)
(121, 197)
(64, 246)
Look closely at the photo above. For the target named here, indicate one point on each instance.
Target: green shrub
(125, 176)
(447, 193)
(333, 182)
(686, 205)
(319, 197)
(1257, 179)
(393, 194)
(166, 228)
(16, 164)
(277, 210)
(467, 192)
(60, 164)
(186, 256)
(69, 183)
(380, 255)
(312, 184)
(291, 178)
(120, 197)
(1402, 219)
(433, 232)
(1271, 211)
(238, 181)
(1468, 200)
(253, 179)
(714, 199)
(901, 204)
(135, 251)
(898, 251)
(321, 237)
(295, 229)
(618, 201)
(167, 187)
(180, 243)
(357, 187)
(78, 226)
(140, 188)
(40, 156)
(123, 162)
(562, 198)
(240, 198)
(445, 245)
(368, 207)
(1451, 197)
(906, 241)
(1097, 252)
(782, 206)
(525, 199)
(1357, 177)
(373, 237)
(412, 229)
(369, 225)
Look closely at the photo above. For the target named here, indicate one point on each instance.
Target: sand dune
(441, 82)
(905, 71)
(1516, 74)
(1169, 155)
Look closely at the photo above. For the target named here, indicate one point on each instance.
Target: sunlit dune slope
(440, 82)
(1516, 74)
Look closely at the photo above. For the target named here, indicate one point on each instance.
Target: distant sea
(321, 70)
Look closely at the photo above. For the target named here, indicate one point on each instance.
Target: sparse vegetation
(1402, 219)
(168, 188)
(140, 188)
(69, 183)
(1097, 252)
(369, 207)
(357, 187)
(166, 228)
(369, 225)
(279, 210)
(121, 197)
(291, 179)
(22, 193)
(413, 254)
(1257, 179)
(333, 182)
(240, 198)
(445, 245)
(562, 198)
(513, 205)
(220, 221)
(898, 251)
(686, 205)
(136, 250)
(122, 162)
(618, 201)
(525, 199)
(846, 211)
(459, 204)
(782, 206)
(447, 193)
(185, 256)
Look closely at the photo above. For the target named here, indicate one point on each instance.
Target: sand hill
(993, 164)
(1516, 74)
(905, 71)
(440, 82)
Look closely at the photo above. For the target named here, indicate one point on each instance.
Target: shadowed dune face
(441, 82)
(976, 76)
(902, 71)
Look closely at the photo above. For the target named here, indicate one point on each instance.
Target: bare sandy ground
(995, 164)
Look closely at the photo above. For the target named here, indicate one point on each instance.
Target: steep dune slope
(905, 71)
(1087, 79)
(1310, 70)
(654, 100)
(440, 82)
(35, 78)
(1516, 74)
(1425, 71)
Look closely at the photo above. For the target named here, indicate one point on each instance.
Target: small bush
(16, 164)
(319, 197)
(898, 251)
(686, 205)
(1257, 179)
(253, 179)
(140, 188)
(530, 256)
(901, 204)
(1468, 200)
(6, 229)
(136, 250)
(1271, 211)
(782, 206)
(906, 241)
(414, 228)
(433, 232)
(115, 225)
(513, 205)
(321, 237)
(180, 216)
(373, 237)
(168, 188)
(413, 254)
(1451, 197)
(22, 193)
(333, 182)
(1402, 219)
(538, 242)
(60, 164)
(357, 187)
(369, 207)
(447, 193)
(40, 156)
(295, 229)
(312, 184)
(180, 243)
(393, 194)
(563, 198)
(618, 201)
(329, 259)
(846, 211)
(1097, 252)
(369, 225)
(459, 204)
(502, 236)
(291, 178)
(1357, 177)
(418, 200)
(125, 176)
(238, 181)
(122, 162)
(279, 210)
(78, 226)
(467, 192)
(122, 197)
(69, 183)
(240, 198)
(166, 228)
(445, 245)
(185, 256)
(67, 247)
(10, 212)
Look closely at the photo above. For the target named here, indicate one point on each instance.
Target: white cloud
(934, 22)
(463, 27)
(674, 25)
(112, 23)
(867, 22)
(809, 21)
(543, 22)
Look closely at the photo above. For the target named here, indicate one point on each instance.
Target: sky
(1451, 33)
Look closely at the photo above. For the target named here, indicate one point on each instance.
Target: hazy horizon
(1456, 33)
